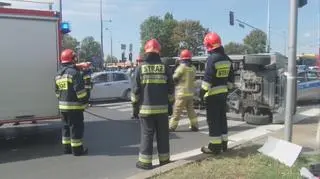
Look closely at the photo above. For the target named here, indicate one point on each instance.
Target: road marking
(231, 123)
(120, 106)
(125, 109)
(247, 135)
(110, 104)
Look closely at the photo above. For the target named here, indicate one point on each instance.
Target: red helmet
(185, 55)
(152, 46)
(67, 56)
(139, 59)
(212, 41)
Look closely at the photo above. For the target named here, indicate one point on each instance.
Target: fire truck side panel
(29, 49)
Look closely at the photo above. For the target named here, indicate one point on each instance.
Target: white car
(110, 85)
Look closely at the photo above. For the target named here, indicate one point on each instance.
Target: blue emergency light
(65, 27)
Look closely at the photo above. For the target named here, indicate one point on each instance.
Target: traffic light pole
(291, 76)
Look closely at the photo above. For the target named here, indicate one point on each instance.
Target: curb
(188, 160)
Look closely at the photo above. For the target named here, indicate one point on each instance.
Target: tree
(112, 59)
(256, 41)
(160, 29)
(189, 34)
(69, 42)
(89, 48)
(235, 48)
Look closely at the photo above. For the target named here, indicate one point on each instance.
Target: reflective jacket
(69, 88)
(152, 86)
(87, 79)
(219, 76)
(184, 76)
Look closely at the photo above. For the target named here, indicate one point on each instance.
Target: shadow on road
(103, 137)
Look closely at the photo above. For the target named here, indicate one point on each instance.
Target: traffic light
(123, 58)
(302, 3)
(130, 57)
(65, 27)
(231, 18)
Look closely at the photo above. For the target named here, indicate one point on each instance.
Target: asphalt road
(34, 151)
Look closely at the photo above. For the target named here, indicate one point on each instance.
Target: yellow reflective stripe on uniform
(76, 142)
(64, 76)
(66, 140)
(134, 98)
(145, 158)
(184, 94)
(62, 81)
(86, 77)
(87, 86)
(216, 140)
(156, 109)
(223, 69)
(64, 105)
(216, 90)
(153, 69)
(81, 93)
(224, 137)
(205, 85)
(164, 157)
(155, 79)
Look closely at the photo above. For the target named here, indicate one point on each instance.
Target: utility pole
(101, 31)
(291, 77)
(268, 28)
(111, 43)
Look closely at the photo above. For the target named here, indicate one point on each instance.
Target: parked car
(110, 85)
(308, 85)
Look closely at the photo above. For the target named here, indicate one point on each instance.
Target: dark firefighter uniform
(135, 106)
(153, 87)
(72, 96)
(217, 79)
(87, 81)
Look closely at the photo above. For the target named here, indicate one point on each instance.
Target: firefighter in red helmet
(73, 98)
(135, 106)
(153, 88)
(218, 79)
(184, 77)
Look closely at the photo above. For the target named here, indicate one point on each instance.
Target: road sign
(123, 46)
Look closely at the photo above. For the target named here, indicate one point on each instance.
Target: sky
(127, 15)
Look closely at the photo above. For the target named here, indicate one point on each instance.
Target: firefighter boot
(214, 149)
(224, 146)
(165, 162)
(78, 151)
(67, 149)
(144, 166)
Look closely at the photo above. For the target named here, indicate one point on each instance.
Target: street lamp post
(111, 44)
(101, 31)
(268, 28)
(291, 77)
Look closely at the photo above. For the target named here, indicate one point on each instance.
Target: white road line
(125, 109)
(111, 104)
(248, 134)
(120, 106)
(231, 123)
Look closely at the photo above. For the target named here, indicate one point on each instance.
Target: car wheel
(127, 95)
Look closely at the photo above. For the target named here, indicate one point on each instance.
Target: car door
(121, 83)
(101, 87)
(313, 87)
(302, 86)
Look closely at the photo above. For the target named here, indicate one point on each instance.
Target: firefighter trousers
(157, 124)
(216, 106)
(180, 104)
(73, 129)
(135, 110)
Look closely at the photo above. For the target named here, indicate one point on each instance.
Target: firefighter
(73, 97)
(184, 77)
(86, 73)
(135, 106)
(217, 80)
(153, 88)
